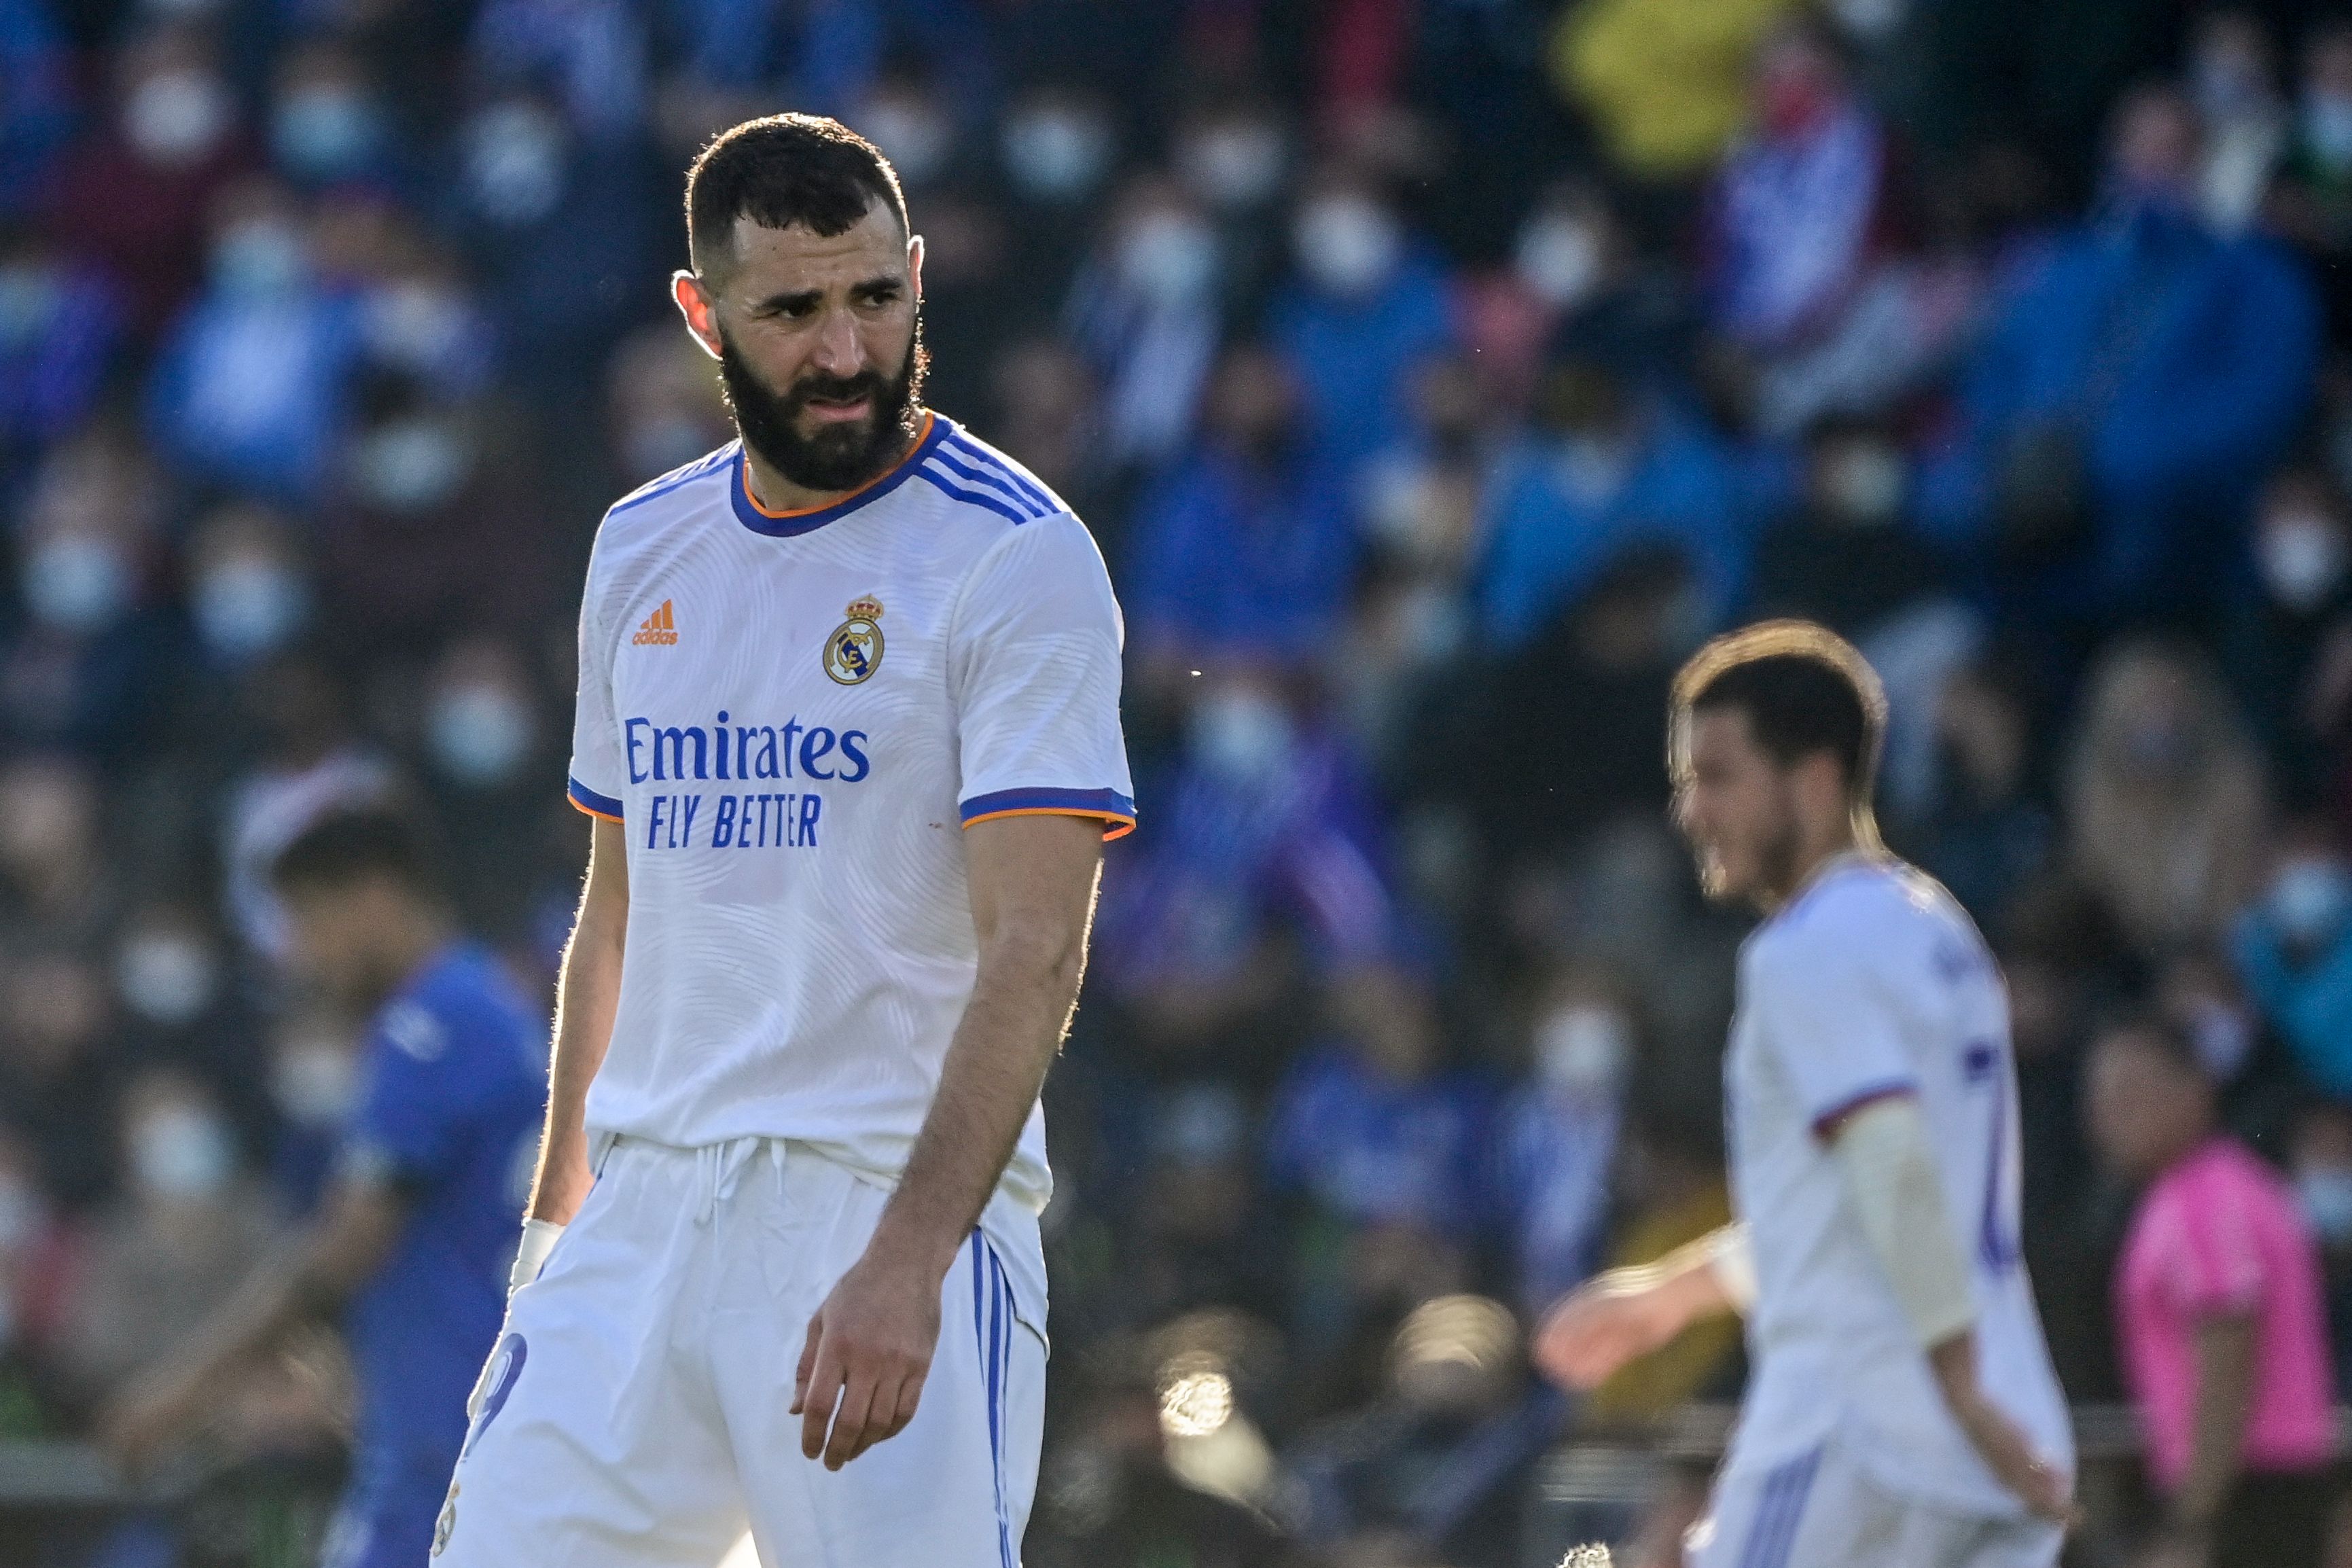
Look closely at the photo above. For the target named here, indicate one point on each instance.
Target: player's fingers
(848, 1439)
(818, 1400)
(910, 1395)
(808, 1362)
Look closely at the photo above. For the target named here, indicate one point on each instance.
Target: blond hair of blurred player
(1901, 1407)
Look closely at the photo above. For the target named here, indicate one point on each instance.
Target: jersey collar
(786, 524)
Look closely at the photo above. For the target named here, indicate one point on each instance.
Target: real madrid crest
(854, 651)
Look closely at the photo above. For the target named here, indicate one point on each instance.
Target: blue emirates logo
(805, 754)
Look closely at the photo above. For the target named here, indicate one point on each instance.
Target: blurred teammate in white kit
(849, 721)
(1901, 1409)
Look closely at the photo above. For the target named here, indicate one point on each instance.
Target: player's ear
(915, 265)
(695, 304)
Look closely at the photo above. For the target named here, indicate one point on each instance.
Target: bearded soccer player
(1901, 1407)
(848, 726)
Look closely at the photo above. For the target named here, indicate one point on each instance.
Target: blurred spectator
(36, 101)
(2131, 391)
(2293, 950)
(1845, 555)
(1246, 548)
(1665, 82)
(58, 1069)
(60, 323)
(1426, 1465)
(87, 662)
(666, 407)
(1555, 1136)
(1110, 1498)
(2218, 1311)
(185, 1229)
(1147, 311)
(2232, 80)
(1044, 412)
(37, 1259)
(328, 121)
(587, 55)
(2301, 547)
(1386, 1143)
(250, 392)
(1987, 831)
(136, 195)
(1801, 226)
(485, 742)
(1367, 305)
(2311, 203)
(2319, 1159)
(1266, 843)
(248, 594)
(1204, 1232)
(1604, 467)
(2164, 796)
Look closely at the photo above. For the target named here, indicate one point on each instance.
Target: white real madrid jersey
(1873, 981)
(794, 717)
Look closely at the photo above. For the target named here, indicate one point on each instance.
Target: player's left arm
(1891, 1185)
(312, 1275)
(869, 1347)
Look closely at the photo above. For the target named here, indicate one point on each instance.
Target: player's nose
(839, 349)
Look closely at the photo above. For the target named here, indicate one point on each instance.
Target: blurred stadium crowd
(1434, 374)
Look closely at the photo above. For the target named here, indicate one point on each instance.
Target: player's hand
(1601, 1325)
(2044, 1489)
(870, 1349)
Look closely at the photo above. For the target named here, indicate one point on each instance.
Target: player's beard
(838, 457)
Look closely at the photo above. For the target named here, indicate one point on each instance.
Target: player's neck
(775, 493)
(1817, 854)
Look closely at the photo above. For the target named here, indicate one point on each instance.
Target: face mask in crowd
(177, 117)
(2309, 897)
(327, 132)
(2302, 558)
(2326, 1194)
(1241, 734)
(481, 732)
(411, 465)
(1235, 164)
(1559, 257)
(910, 132)
(1582, 1050)
(2326, 125)
(1169, 258)
(248, 605)
(77, 583)
(261, 259)
(515, 155)
(1348, 244)
(1055, 153)
(167, 977)
(1862, 483)
(29, 292)
(314, 1082)
(183, 1152)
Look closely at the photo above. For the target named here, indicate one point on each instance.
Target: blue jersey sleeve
(416, 1097)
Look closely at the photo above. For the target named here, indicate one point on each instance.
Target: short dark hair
(783, 169)
(350, 845)
(1805, 690)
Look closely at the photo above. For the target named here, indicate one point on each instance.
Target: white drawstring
(718, 1167)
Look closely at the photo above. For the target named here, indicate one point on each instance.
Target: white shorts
(636, 1410)
(1820, 1510)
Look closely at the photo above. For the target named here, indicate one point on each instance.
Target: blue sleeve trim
(1117, 811)
(977, 498)
(594, 805)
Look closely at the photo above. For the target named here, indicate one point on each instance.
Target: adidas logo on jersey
(660, 628)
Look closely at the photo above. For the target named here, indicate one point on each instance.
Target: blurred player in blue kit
(414, 1240)
(1901, 1411)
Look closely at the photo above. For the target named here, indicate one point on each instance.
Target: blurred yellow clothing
(1665, 81)
(1645, 1390)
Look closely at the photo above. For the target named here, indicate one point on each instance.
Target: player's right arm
(588, 993)
(1626, 1314)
